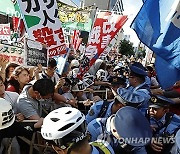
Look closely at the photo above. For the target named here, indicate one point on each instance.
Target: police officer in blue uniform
(128, 131)
(164, 124)
(138, 84)
(104, 109)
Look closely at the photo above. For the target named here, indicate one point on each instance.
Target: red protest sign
(106, 26)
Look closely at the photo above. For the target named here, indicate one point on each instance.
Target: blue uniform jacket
(142, 90)
(95, 109)
(99, 130)
(171, 127)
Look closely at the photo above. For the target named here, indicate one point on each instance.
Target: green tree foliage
(126, 48)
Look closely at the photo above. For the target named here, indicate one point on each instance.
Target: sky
(131, 8)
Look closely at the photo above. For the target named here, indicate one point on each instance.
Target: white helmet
(73, 73)
(78, 87)
(89, 76)
(116, 68)
(74, 63)
(6, 114)
(87, 82)
(101, 75)
(61, 122)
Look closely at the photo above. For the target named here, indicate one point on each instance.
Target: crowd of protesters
(136, 116)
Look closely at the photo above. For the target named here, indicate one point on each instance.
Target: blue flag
(167, 74)
(158, 26)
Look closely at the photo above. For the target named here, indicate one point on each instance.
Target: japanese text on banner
(105, 28)
(43, 25)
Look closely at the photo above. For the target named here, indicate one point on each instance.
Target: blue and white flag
(158, 26)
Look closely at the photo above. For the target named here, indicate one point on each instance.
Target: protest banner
(5, 32)
(35, 53)
(61, 61)
(74, 18)
(106, 26)
(13, 54)
(43, 25)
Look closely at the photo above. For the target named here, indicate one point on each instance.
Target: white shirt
(12, 98)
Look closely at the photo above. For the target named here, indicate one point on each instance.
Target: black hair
(44, 86)
(77, 146)
(149, 68)
(14, 65)
(52, 63)
(13, 82)
(103, 66)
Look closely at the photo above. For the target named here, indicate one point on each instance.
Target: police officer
(164, 124)
(9, 127)
(123, 131)
(104, 109)
(138, 84)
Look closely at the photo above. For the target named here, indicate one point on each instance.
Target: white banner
(5, 32)
(12, 53)
(43, 25)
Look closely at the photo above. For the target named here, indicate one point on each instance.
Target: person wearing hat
(123, 130)
(101, 81)
(78, 91)
(65, 92)
(164, 123)
(68, 134)
(9, 127)
(104, 109)
(119, 69)
(138, 84)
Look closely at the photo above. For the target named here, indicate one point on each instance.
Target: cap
(74, 63)
(132, 126)
(138, 68)
(7, 116)
(78, 87)
(88, 82)
(89, 76)
(126, 96)
(117, 80)
(158, 101)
